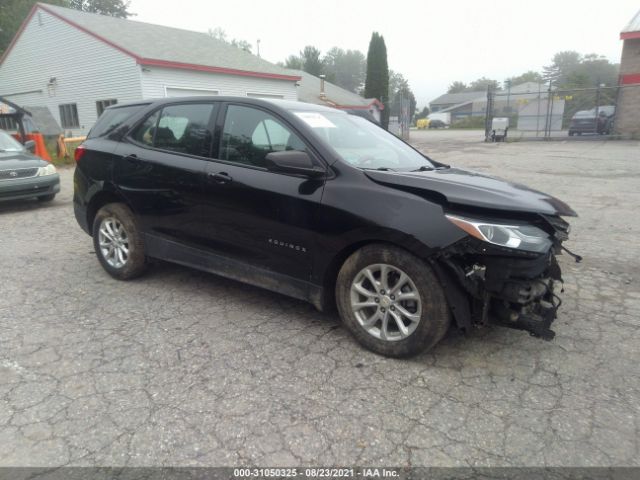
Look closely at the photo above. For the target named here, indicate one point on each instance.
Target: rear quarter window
(112, 118)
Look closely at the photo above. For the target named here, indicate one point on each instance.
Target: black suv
(323, 206)
(597, 120)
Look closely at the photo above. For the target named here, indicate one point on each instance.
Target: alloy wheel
(114, 242)
(386, 302)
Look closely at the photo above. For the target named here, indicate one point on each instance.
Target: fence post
(595, 125)
(547, 123)
(488, 117)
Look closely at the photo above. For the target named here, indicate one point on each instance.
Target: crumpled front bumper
(484, 286)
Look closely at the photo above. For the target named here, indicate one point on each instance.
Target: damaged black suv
(322, 206)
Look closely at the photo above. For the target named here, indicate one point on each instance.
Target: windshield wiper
(381, 169)
(423, 168)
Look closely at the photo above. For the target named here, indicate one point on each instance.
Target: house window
(102, 104)
(8, 123)
(69, 115)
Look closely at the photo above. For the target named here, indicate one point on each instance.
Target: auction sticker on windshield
(315, 120)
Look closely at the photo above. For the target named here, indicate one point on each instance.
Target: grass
(52, 148)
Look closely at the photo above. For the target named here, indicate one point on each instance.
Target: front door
(252, 215)
(160, 169)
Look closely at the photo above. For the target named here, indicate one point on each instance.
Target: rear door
(252, 215)
(161, 166)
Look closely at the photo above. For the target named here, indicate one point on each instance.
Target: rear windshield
(112, 118)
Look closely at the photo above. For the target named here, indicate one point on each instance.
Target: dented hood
(466, 188)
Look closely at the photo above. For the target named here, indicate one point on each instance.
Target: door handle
(221, 177)
(133, 158)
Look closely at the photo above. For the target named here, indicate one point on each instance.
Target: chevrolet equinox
(322, 206)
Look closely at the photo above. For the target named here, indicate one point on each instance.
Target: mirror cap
(294, 162)
(30, 145)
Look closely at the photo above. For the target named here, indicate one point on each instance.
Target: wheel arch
(99, 200)
(330, 274)
(456, 297)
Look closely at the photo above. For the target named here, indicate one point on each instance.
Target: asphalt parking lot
(185, 368)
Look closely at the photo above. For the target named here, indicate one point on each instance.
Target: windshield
(9, 144)
(362, 144)
(111, 119)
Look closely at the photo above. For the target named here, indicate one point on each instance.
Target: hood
(15, 160)
(465, 188)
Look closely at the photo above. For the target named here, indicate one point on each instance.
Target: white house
(312, 89)
(76, 63)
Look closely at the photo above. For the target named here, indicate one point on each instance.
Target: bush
(469, 122)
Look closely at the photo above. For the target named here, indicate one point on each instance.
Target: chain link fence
(552, 113)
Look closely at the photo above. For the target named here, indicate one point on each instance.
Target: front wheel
(118, 242)
(391, 301)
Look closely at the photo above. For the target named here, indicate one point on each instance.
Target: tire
(118, 220)
(431, 317)
(570, 133)
(47, 198)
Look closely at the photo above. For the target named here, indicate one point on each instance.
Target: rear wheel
(118, 242)
(391, 301)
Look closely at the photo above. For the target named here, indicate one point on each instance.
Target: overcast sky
(432, 43)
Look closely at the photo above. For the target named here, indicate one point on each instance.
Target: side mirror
(294, 162)
(30, 145)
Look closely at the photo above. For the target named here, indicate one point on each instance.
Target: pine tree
(377, 81)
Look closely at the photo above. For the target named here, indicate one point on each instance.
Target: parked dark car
(598, 120)
(24, 175)
(322, 206)
(437, 124)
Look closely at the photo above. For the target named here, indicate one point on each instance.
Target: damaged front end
(505, 273)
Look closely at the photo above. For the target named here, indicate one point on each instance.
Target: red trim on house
(204, 68)
(629, 78)
(629, 35)
(146, 61)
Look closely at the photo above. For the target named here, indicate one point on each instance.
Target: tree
(569, 69)
(311, 63)
(345, 68)
(293, 61)
(457, 87)
(481, 84)
(218, 33)
(398, 90)
(241, 44)
(113, 8)
(377, 79)
(424, 113)
(12, 14)
(561, 66)
(529, 76)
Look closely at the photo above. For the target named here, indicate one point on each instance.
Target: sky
(431, 43)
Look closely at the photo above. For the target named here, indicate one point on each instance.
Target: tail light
(79, 153)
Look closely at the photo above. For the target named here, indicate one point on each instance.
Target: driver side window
(249, 134)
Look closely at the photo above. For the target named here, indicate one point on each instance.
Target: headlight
(48, 170)
(521, 237)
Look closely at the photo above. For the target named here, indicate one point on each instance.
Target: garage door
(189, 92)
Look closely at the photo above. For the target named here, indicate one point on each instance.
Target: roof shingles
(167, 46)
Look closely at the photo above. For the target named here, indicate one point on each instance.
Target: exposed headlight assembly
(521, 237)
(48, 170)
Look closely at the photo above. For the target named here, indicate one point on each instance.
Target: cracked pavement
(184, 368)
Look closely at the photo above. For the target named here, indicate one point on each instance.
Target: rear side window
(112, 119)
(144, 132)
(179, 128)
